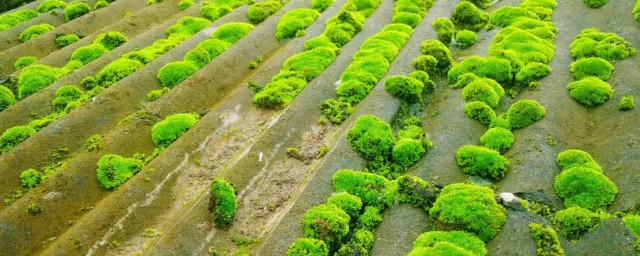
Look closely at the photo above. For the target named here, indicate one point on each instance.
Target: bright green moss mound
(64, 40)
(65, 95)
(524, 113)
(174, 73)
(185, 4)
(33, 78)
(75, 10)
(100, 4)
(34, 31)
(232, 32)
(295, 20)
(480, 111)
(114, 170)
(465, 39)
(321, 5)
(404, 87)
(481, 3)
(24, 61)
(215, 9)
(415, 191)
(576, 158)
(117, 70)
(12, 19)
(49, 5)
(587, 67)
(374, 190)
(347, 202)
(410, 12)
(532, 72)
(308, 65)
(186, 27)
(6, 98)
(14, 136)
(595, 3)
(89, 53)
(633, 224)
(590, 91)
(498, 139)
(507, 15)
(483, 90)
(585, 187)
(546, 240)
(442, 248)
(328, 223)
(471, 208)
(627, 102)
(171, 128)
(481, 161)
(440, 53)
(372, 138)
(636, 11)
(260, 11)
(445, 30)
(574, 222)
(308, 246)
(30, 178)
(466, 16)
(407, 151)
(487, 67)
(223, 202)
(111, 39)
(594, 43)
(462, 239)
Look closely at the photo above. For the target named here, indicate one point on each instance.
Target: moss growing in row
(349, 203)
(65, 95)
(524, 113)
(321, 5)
(171, 128)
(410, 12)
(461, 239)
(587, 67)
(471, 208)
(185, 4)
(633, 224)
(507, 15)
(260, 11)
(34, 31)
(14, 136)
(547, 242)
(328, 223)
(110, 40)
(89, 53)
(114, 170)
(49, 5)
(595, 3)
(215, 9)
(466, 16)
(223, 202)
(6, 98)
(487, 67)
(24, 62)
(594, 43)
(30, 178)
(33, 78)
(415, 191)
(498, 139)
(406, 88)
(294, 21)
(480, 111)
(590, 91)
(75, 10)
(372, 138)
(481, 161)
(64, 40)
(445, 29)
(576, 158)
(308, 246)
(465, 38)
(175, 72)
(585, 187)
(12, 19)
(574, 222)
(627, 102)
(483, 90)
(100, 4)
(374, 190)
(116, 71)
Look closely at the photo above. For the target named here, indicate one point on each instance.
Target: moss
(521, 46)
(426, 63)
(116, 71)
(30, 178)
(321, 5)
(187, 26)
(466, 16)
(546, 240)
(260, 11)
(328, 223)
(198, 57)
(295, 20)
(410, 12)
(223, 202)
(498, 139)
(584, 187)
(171, 128)
(480, 111)
(214, 47)
(488, 67)
(64, 40)
(406, 152)
(114, 170)
(440, 52)
(6, 98)
(445, 30)
(415, 191)
(576, 158)
(174, 73)
(531, 73)
(404, 87)
(524, 113)
(574, 222)
(89, 53)
(49, 5)
(461, 239)
(24, 61)
(372, 138)
(627, 102)
(594, 43)
(14, 136)
(374, 190)
(75, 10)
(12, 19)
(422, 76)
(370, 218)
(185, 4)
(471, 208)
(89, 82)
(34, 78)
(111, 39)
(350, 204)
(232, 32)
(636, 11)
(65, 95)
(482, 162)
(279, 94)
(483, 90)
(587, 67)
(336, 110)
(442, 248)
(507, 15)
(100, 4)
(595, 3)
(590, 91)
(308, 246)
(215, 9)
(34, 31)
(465, 38)
(321, 41)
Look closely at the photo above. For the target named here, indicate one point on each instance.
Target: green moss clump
(481, 3)
(461, 239)
(480, 111)
(35, 77)
(546, 240)
(487, 67)
(185, 4)
(24, 61)
(590, 91)
(336, 110)
(171, 128)
(75, 10)
(174, 73)
(116, 71)
(595, 3)
(260, 11)
(471, 208)
(372, 138)
(374, 190)
(347, 202)
(507, 15)
(524, 113)
(481, 161)
(426, 63)
(216, 9)
(186, 27)
(576, 158)
(587, 67)
(65, 95)
(445, 30)
(483, 90)
(12, 19)
(407, 152)
(627, 102)
(321, 5)
(308, 246)
(100, 4)
(498, 139)
(6, 98)
(465, 38)
(223, 202)
(636, 11)
(49, 5)
(110, 40)
(232, 32)
(64, 40)
(574, 222)
(294, 20)
(34, 31)
(89, 53)
(114, 170)
(404, 87)
(531, 73)
(585, 187)
(328, 223)
(633, 224)
(415, 191)
(466, 16)
(594, 43)
(370, 218)
(279, 94)
(441, 53)
(30, 178)
(442, 248)
(14, 136)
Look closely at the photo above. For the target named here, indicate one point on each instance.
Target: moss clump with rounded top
(232, 32)
(441, 53)
(260, 11)
(114, 170)
(35, 77)
(30, 178)
(374, 190)
(507, 15)
(6, 98)
(12, 19)
(75, 10)
(347, 202)
(498, 139)
(65, 95)
(100, 4)
(574, 222)
(445, 30)
(404, 87)
(627, 102)
(466, 16)
(321, 5)
(594, 43)
(426, 63)
(328, 223)
(222, 203)
(576, 158)
(488, 67)
(198, 56)
(483, 90)
(461, 239)
(471, 208)
(14, 136)
(308, 246)
(174, 73)
(466, 38)
(524, 113)
(590, 91)
(185, 4)
(64, 40)
(336, 110)
(117, 70)
(407, 151)
(111, 39)
(531, 73)
(442, 248)
(187, 26)
(171, 128)
(480, 111)
(584, 187)
(372, 138)
(415, 191)
(293, 21)
(310, 64)
(24, 61)
(595, 3)
(89, 53)
(34, 31)
(546, 240)
(49, 5)
(481, 161)
(587, 67)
